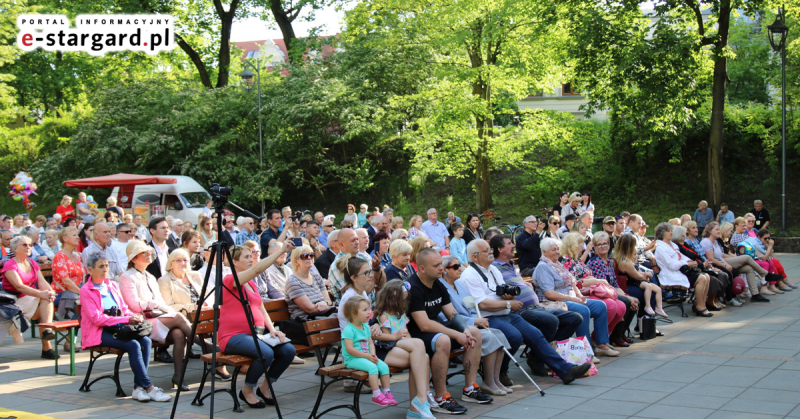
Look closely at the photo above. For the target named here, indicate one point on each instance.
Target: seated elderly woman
(305, 290)
(397, 223)
(143, 296)
(718, 280)
(554, 284)
(712, 244)
(400, 234)
(24, 279)
(680, 271)
(740, 235)
(382, 241)
(571, 247)
(603, 267)
(401, 261)
(493, 339)
(99, 297)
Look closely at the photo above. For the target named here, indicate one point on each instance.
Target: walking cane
(469, 302)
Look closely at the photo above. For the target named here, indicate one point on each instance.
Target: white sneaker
(735, 302)
(140, 394)
(157, 395)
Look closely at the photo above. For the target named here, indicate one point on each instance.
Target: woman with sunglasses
(235, 337)
(305, 290)
(553, 224)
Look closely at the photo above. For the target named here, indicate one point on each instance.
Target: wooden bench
(65, 331)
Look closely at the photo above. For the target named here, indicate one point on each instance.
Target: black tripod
(218, 250)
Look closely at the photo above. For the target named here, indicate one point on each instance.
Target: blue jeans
(138, 351)
(554, 324)
(277, 359)
(518, 330)
(593, 309)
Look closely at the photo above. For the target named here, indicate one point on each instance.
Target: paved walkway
(742, 363)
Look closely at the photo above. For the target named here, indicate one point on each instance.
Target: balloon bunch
(21, 188)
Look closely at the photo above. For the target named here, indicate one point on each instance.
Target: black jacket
(323, 264)
(528, 250)
(155, 267)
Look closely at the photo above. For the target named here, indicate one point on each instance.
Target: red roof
(119, 179)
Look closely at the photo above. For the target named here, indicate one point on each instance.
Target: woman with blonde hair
(417, 244)
(397, 223)
(415, 227)
(400, 233)
(400, 268)
(305, 290)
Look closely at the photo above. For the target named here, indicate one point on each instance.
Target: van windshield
(195, 199)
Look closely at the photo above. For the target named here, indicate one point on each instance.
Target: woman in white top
(673, 265)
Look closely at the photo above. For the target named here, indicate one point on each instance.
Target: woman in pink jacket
(99, 295)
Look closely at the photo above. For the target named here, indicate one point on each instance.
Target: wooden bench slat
(108, 349)
(325, 338)
(320, 325)
(232, 360)
(60, 326)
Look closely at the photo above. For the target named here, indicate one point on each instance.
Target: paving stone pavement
(741, 363)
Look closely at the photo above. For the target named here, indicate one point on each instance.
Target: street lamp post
(780, 30)
(247, 76)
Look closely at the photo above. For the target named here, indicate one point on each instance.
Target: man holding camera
(496, 302)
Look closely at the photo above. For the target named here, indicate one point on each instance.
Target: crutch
(469, 302)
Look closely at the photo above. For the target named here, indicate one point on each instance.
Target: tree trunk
(224, 56)
(196, 60)
(717, 138)
(483, 191)
(285, 24)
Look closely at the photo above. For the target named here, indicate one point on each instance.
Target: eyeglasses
(26, 244)
(306, 256)
(751, 221)
(366, 273)
(602, 245)
(455, 266)
(487, 251)
(327, 225)
(125, 231)
(556, 223)
(402, 237)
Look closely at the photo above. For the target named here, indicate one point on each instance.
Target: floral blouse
(601, 270)
(64, 268)
(577, 268)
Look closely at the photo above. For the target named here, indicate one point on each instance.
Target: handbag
(126, 332)
(647, 328)
(153, 313)
(576, 351)
(294, 330)
(600, 290)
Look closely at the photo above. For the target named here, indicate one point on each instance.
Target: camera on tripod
(503, 289)
(219, 195)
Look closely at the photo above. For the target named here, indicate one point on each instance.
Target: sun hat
(135, 247)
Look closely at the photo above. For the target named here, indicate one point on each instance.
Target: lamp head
(778, 31)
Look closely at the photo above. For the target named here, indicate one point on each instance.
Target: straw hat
(135, 247)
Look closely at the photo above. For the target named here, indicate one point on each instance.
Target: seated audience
(192, 242)
(639, 280)
(272, 282)
(718, 280)
(458, 247)
(555, 284)
(761, 215)
(51, 245)
(744, 264)
(678, 271)
(415, 227)
(574, 205)
(381, 248)
(397, 224)
(474, 229)
(764, 246)
(324, 262)
(528, 244)
(703, 214)
(68, 274)
(24, 279)
(725, 215)
(99, 298)
(206, 226)
(143, 296)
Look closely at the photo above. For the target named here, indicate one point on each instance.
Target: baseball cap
(609, 220)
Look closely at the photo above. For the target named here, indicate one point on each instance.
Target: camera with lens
(296, 216)
(503, 289)
(221, 190)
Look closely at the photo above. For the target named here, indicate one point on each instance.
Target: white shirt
(480, 289)
(670, 260)
(163, 255)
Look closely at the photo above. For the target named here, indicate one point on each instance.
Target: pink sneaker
(381, 400)
(391, 399)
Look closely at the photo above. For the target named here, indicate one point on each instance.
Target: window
(170, 200)
(151, 199)
(195, 199)
(568, 89)
(251, 54)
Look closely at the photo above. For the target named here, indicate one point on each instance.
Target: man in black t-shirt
(762, 215)
(428, 298)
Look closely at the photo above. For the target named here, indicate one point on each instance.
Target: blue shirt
(244, 236)
(759, 246)
(436, 232)
(323, 239)
(728, 217)
(459, 249)
(362, 219)
(703, 217)
(106, 297)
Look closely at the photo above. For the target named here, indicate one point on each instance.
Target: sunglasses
(556, 224)
(402, 237)
(328, 225)
(125, 231)
(454, 267)
(306, 256)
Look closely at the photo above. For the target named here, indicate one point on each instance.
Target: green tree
(474, 49)
(657, 72)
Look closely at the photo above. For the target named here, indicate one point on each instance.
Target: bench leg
(120, 393)
(324, 386)
(85, 386)
(237, 407)
(71, 351)
(198, 398)
(356, 395)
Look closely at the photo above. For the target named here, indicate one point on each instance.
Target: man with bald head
(117, 263)
(349, 244)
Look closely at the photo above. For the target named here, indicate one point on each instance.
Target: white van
(183, 200)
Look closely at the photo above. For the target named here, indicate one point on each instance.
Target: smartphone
(297, 241)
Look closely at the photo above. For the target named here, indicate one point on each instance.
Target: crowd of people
(405, 294)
